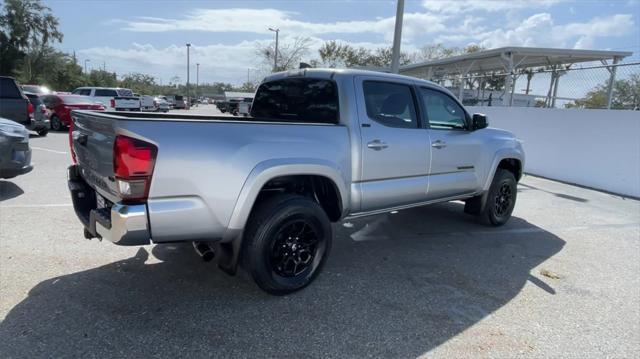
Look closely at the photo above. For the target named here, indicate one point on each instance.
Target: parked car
(146, 102)
(161, 104)
(244, 107)
(14, 104)
(112, 98)
(36, 89)
(62, 105)
(40, 117)
(320, 146)
(177, 101)
(15, 154)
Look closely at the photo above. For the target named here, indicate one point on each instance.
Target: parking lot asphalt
(561, 279)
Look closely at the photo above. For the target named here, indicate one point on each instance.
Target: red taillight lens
(113, 103)
(133, 162)
(30, 108)
(73, 153)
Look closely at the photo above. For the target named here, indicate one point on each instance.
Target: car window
(9, 89)
(126, 93)
(34, 99)
(390, 104)
(441, 111)
(297, 100)
(105, 93)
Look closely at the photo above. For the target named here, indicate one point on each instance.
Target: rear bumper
(15, 158)
(122, 224)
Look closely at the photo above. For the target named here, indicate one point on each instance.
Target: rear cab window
(105, 93)
(298, 99)
(9, 89)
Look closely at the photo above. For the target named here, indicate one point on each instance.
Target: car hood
(5, 121)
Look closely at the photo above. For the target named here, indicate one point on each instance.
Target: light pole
(275, 57)
(397, 37)
(197, 80)
(188, 100)
(85, 65)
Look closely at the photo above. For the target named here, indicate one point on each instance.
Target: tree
(626, 95)
(335, 54)
(289, 53)
(28, 29)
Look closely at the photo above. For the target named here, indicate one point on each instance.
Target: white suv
(113, 98)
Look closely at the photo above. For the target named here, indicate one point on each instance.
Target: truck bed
(203, 162)
(173, 117)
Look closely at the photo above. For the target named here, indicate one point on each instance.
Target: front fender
(269, 169)
(504, 153)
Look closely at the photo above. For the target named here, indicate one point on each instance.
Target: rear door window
(9, 89)
(390, 104)
(297, 100)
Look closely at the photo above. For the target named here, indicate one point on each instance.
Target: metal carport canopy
(505, 58)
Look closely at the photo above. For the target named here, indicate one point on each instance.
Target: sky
(150, 36)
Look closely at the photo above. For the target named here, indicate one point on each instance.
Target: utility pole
(397, 37)
(275, 56)
(197, 80)
(188, 100)
(85, 65)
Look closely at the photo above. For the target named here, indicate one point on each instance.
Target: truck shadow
(396, 285)
(9, 190)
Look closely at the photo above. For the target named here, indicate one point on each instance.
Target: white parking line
(48, 150)
(37, 205)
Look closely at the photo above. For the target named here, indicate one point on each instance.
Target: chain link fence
(587, 86)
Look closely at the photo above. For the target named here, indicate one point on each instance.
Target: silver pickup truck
(320, 146)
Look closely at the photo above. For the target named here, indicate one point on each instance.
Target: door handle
(377, 145)
(438, 144)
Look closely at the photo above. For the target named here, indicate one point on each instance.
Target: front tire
(501, 198)
(287, 241)
(43, 133)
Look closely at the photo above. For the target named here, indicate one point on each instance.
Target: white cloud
(218, 62)
(235, 20)
(541, 31)
(459, 6)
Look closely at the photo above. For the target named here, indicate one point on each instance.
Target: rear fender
(267, 170)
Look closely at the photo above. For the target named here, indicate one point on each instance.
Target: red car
(62, 105)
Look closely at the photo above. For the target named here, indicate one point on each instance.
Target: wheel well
(319, 188)
(513, 165)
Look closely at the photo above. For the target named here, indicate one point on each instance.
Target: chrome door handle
(438, 144)
(377, 145)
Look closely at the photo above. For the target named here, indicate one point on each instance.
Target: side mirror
(479, 121)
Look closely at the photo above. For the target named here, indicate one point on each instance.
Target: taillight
(113, 103)
(133, 162)
(73, 153)
(43, 108)
(30, 109)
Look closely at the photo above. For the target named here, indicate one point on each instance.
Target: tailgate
(93, 138)
(127, 102)
(15, 109)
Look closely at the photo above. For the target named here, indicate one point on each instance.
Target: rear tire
(286, 243)
(501, 198)
(56, 124)
(43, 133)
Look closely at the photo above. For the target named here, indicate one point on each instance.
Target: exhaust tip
(204, 251)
